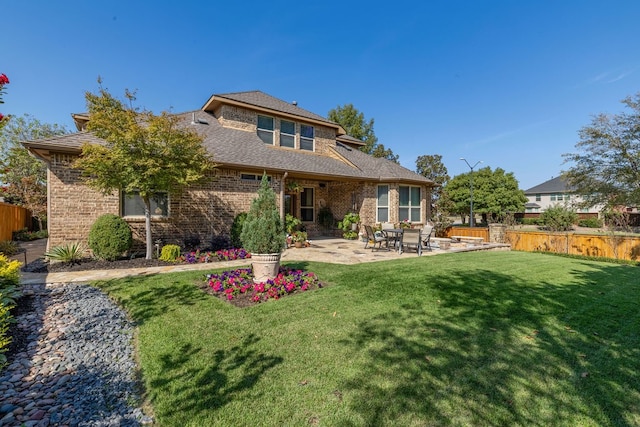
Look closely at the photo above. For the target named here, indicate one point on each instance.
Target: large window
(265, 129)
(306, 137)
(383, 203)
(409, 206)
(306, 205)
(287, 134)
(538, 197)
(133, 205)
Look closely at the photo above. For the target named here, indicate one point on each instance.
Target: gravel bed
(76, 366)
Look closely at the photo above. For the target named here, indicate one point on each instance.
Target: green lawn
(484, 338)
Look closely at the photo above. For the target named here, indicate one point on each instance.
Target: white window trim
(410, 206)
(271, 131)
(293, 135)
(378, 205)
(312, 140)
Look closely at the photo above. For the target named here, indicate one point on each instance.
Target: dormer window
(287, 134)
(306, 137)
(265, 129)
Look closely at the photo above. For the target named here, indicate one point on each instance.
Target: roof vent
(198, 121)
(295, 103)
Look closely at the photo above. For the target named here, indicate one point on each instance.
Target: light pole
(471, 182)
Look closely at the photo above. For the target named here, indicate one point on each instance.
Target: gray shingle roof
(261, 99)
(554, 185)
(239, 148)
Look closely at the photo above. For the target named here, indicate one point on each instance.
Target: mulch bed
(40, 266)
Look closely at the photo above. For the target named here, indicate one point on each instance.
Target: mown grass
(485, 338)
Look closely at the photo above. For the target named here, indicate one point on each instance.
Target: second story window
(306, 137)
(287, 134)
(265, 129)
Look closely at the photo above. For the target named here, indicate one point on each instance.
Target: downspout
(282, 197)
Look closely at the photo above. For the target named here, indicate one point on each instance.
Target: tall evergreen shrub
(263, 230)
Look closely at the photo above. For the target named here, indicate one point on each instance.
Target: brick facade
(204, 210)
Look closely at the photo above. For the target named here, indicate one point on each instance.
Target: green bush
(170, 253)
(559, 218)
(72, 252)
(110, 237)
(8, 248)
(5, 319)
(9, 280)
(236, 229)
(590, 223)
(25, 235)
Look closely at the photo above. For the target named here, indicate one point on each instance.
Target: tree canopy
(25, 176)
(495, 193)
(356, 126)
(143, 153)
(606, 166)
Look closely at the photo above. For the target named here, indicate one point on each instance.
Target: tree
(356, 126)
(24, 175)
(606, 166)
(431, 167)
(144, 153)
(495, 194)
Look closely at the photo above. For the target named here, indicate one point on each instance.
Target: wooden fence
(468, 232)
(12, 218)
(595, 245)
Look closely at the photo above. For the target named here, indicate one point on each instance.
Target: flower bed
(195, 257)
(237, 286)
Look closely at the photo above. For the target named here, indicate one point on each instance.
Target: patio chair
(412, 238)
(375, 239)
(426, 236)
(393, 239)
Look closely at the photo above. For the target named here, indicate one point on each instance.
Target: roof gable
(263, 101)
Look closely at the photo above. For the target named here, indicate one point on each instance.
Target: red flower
(1, 117)
(4, 80)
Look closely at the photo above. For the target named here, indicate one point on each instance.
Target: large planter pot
(265, 266)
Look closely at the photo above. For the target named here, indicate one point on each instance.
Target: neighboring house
(312, 165)
(554, 192)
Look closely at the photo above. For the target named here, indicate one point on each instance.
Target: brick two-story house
(312, 165)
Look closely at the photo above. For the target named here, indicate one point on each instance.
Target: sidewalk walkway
(331, 250)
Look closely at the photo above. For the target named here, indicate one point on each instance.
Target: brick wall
(203, 210)
(245, 119)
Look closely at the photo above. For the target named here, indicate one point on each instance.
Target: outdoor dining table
(396, 234)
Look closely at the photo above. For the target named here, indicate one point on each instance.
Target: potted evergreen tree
(263, 234)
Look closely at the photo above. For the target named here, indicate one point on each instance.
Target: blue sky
(506, 82)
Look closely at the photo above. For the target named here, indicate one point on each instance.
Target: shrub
(263, 230)
(236, 230)
(531, 221)
(71, 253)
(9, 248)
(559, 218)
(25, 235)
(221, 242)
(191, 242)
(170, 253)
(590, 223)
(110, 237)
(9, 279)
(5, 319)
